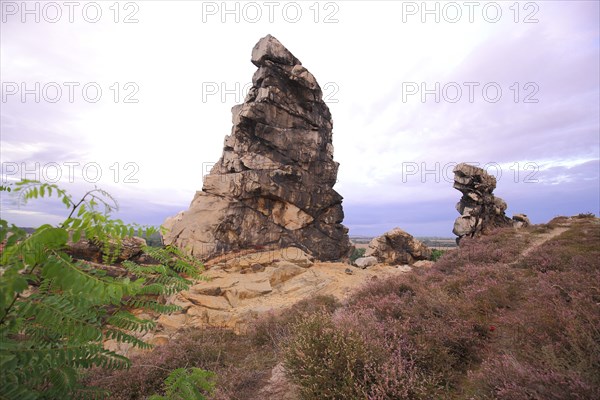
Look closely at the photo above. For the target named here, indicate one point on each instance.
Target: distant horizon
(370, 234)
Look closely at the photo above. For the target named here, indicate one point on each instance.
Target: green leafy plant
(356, 254)
(436, 254)
(57, 312)
(187, 384)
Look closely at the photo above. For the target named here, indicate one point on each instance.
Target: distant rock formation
(273, 186)
(520, 221)
(480, 210)
(397, 247)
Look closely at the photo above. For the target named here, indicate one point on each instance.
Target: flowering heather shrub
(326, 361)
(500, 246)
(509, 379)
(272, 329)
(488, 321)
(393, 373)
(577, 248)
(241, 370)
(442, 336)
(549, 346)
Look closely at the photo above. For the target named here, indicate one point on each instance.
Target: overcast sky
(141, 93)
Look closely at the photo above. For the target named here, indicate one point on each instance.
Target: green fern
(187, 384)
(56, 313)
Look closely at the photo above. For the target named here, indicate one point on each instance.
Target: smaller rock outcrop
(480, 210)
(521, 221)
(397, 247)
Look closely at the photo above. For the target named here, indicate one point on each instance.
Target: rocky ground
(240, 288)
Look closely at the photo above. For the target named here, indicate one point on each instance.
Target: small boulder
(364, 262)
(397, 247)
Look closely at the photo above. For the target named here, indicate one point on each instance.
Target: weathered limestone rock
(273, 186)
(397, 247)
(234, 296)
(480, 210)
(285, 272)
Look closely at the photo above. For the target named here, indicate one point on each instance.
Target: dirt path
(541, 239)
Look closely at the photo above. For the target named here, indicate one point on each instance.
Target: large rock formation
(480, 210)
(397, 247)
(273, 186)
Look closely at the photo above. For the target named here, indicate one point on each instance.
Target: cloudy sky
(135, 97)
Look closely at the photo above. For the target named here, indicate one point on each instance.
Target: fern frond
(153, 306)
(144, 269)
(79, 279)
(123, 337)
(63, 317)
(129, 322)
(31, 189)
(61, 380)
(12, 390)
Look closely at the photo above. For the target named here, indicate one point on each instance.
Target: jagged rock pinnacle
(273, 185)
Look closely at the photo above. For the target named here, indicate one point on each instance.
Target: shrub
(274, 328)
(327, 362)
(241, 367)
(440, 333)
(357, 253)
(56, 313)
(436, 254)
(187, 384)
